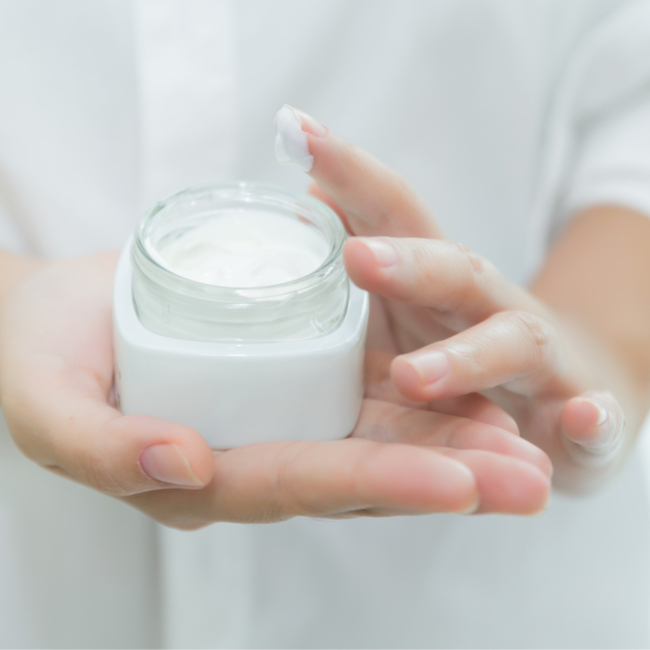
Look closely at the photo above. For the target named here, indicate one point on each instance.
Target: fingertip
(291, 142)
(183, 459)
(452, 487)
(382, 251)
(420, 480)
(581, 415)
(586, 422)
(544, 491)
(422, 375)
(406, 379)
(527, 492)
(593, 427)
(167, 454)
(168, 463)
(469, 501)
(375, 198)
(308, 124)
(506, 485)
(360, 263)
(476, 435)
(295, 133)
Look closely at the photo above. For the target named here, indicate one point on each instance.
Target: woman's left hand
(454, 326)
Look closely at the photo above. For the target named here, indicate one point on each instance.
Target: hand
(452, 324)
(56, 374)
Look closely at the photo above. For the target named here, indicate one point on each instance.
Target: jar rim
(245, 192)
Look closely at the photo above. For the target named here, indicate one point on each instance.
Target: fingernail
(383, 252)
(309, 124)
(291, 129)
(608, 429)
(431, 366)
(168, 464)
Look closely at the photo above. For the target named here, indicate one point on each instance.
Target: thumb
(86, 440)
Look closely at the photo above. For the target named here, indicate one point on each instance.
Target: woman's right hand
(56, 377)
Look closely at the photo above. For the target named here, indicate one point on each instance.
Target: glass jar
(240, 365)
(175, 306)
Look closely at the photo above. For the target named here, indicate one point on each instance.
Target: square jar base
(236, 394)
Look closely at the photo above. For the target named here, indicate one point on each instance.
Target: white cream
(291, 141)
(246, 249)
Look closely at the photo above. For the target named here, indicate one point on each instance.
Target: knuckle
(534, 331)
(475, 273)
(422, 259)
(293, 497)
(475, 264)
(288, 499)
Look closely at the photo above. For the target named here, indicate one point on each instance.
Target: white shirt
(508, 117)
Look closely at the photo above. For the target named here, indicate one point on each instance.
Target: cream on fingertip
(291, 146)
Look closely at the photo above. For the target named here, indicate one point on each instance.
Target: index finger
(375, 199)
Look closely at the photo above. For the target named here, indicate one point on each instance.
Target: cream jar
(233, 314)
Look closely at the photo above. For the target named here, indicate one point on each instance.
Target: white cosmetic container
(278, 357)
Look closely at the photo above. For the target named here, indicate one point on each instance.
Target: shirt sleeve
(596, 144)
(611, 163)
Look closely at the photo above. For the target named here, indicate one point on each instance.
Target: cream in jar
(246, 248)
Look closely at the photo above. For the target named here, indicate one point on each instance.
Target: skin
(569, 359)
(417, 448)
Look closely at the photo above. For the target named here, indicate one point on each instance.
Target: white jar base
(236, 394)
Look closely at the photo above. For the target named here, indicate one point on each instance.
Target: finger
(67, 428)
(593, 425)
(374, 198)
(317, 192)
(507, 485)
(379, 386)
(513, 349)
(386, 422)
(461, 287)
(269, 482)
